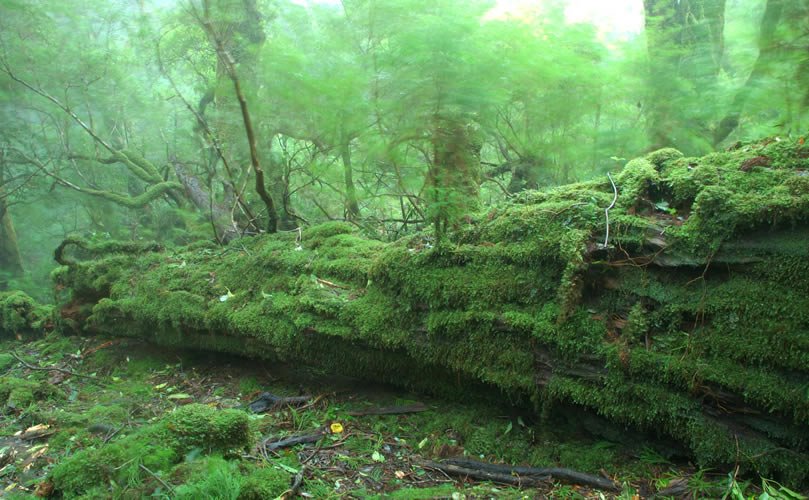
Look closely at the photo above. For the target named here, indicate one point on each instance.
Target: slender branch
(296, 484)
(203, 124)
(159, 479)
(152, 193)
(7, 69)
(49, 368)
(607, 210)
(227, 60)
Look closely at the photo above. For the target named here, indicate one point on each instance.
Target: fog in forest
(183, 121)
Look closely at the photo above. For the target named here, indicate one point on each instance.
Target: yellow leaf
(336, 428)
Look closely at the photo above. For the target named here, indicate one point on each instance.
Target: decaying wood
(455, 470)
(522, 475)
(270, 445)
(267, 401)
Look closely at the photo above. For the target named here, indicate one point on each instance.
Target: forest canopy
(217, 119)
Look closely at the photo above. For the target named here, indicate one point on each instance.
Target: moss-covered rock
(157, 448)
(18, 394)
(20, 315)
(692, 323)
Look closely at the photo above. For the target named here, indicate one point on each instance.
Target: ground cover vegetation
(441, 197)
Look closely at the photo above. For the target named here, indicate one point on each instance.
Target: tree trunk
(352, 207)
(225, 58)
(10, 257)
(685, 45)
(453, 178)
(223, 224)
(767, 50)
(525, 174)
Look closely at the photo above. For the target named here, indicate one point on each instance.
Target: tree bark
(352, 207)
(767, 50)
(225, 58)
(453, 177)
(684, 43)
(10, 256)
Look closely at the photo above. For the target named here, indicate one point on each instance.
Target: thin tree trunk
(261, 188)
(352, 207)
(685, 42)
(10, 257)
(767, 49)
(225, 58)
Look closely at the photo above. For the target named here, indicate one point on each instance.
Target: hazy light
(614, 19)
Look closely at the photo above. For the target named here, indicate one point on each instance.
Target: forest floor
(62, 395)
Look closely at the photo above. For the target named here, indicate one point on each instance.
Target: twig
(607, 210)
(330, 284)
(296, 484)
(112, 435)
(481, 474)
(51, 368)
(159, 479)
(311, 455)
(521, 475)
(288, 441)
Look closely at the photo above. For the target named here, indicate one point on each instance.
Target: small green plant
(776, 491)
(249, 385)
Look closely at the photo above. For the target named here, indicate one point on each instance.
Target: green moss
(663, 157)
(211, 478)
(6, 361)
(21, 315)
(158, 447)
(701, 292)
(18, 393)
(636, 181)
(263, 482)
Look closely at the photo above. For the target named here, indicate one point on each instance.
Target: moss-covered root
(22, 316)
(153, 449)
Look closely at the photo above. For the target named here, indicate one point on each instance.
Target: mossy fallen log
(692, 323)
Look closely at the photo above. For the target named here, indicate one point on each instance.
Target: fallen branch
(296, 485)
(495, 477)
(267, 401)
(288, 441)
(677, 488)
(535, 473)
(391, 410)
(159, 479)
(51, 368)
